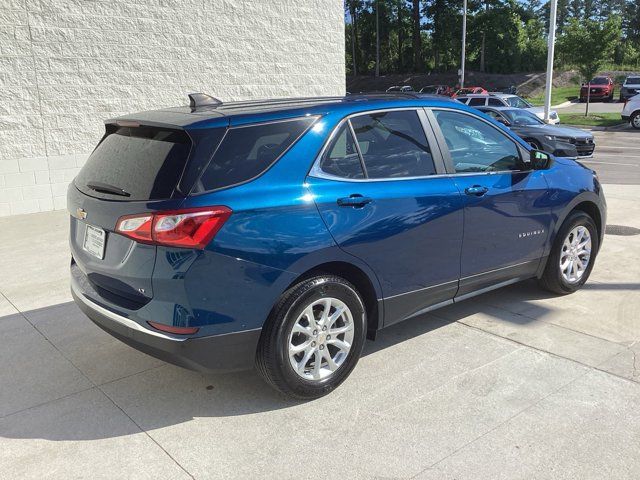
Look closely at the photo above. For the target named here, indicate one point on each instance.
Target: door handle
(355, 200)
(477, 190)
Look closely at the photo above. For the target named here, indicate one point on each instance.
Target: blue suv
(284, 233)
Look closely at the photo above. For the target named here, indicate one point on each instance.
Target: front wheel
(313, 338)
(635, 120)
(572, 256)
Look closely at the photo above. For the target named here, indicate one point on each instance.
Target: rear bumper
(210, 354)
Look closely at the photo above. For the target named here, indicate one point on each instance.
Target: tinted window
(523, 117)
(341, 157)
(632, 80)
(246, 152)
(476, 102)
(393, 145)
(495, 115)
(494, 102)
(476, 146)
(600, 81)
(143, 163)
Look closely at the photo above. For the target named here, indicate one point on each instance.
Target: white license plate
(94, 240)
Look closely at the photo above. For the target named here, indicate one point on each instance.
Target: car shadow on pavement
(124, 389)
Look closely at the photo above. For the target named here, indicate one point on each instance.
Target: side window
(494, 102)
(341, 157)
(494, 115)
(246, 152)
(476, 146)
(393, 145)
(476, 102)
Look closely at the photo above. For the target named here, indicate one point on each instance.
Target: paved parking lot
(513, 384)
(617, 156)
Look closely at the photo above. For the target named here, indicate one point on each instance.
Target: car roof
(252, 111)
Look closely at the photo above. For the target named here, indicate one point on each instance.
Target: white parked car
(630, 87)
(631, 112)
(496, 99)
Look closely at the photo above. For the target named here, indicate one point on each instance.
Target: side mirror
(539, 160)
(502, 121)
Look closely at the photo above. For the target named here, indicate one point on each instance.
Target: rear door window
(246, 152)
(135, 163)
(341, 158)
(393, 145)
(494, 102)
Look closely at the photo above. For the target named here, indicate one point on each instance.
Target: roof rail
(203, 100)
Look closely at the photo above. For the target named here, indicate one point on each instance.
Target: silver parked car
(507, 100)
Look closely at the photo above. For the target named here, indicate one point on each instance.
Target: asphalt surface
(617, 156)
(594, 107)
(513, 384)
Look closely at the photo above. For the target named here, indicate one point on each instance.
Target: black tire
(272, 359)
(552, 278)
(633, 120)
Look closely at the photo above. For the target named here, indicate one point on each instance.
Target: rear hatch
(134, 169)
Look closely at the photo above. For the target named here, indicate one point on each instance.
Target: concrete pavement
(516, 383)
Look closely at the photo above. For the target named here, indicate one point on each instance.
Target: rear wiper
(106, 188)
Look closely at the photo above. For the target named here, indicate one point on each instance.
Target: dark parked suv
(284, 233)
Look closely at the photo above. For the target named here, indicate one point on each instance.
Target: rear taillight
(189, 228)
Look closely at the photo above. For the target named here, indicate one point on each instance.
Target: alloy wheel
(321, 338)
(636, 121)
(576, 254)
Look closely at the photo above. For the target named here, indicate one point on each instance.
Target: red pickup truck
(599, 88)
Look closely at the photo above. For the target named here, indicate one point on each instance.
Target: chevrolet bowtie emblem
(81, 213)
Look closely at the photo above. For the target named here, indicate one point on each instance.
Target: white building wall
(66, 65)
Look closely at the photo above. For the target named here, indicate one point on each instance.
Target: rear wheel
(572, 256)
(314, 337)
(635, 120)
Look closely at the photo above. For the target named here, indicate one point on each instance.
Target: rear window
(632, 81)
(246, 152)
(135, 163)
(475, 101)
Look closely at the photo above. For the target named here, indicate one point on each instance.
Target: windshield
(517, 102)
(599, 81)
(522, 117)
(632, 81)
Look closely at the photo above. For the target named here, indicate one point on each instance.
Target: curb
(568, 103)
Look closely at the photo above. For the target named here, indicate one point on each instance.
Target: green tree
(588, 44)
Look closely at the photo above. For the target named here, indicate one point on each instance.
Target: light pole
(464, 43)
(377, 39)
(550, 52)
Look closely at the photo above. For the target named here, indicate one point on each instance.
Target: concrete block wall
(66, 65)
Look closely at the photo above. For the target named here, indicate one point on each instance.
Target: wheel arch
(363, 282)
(589, 203)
